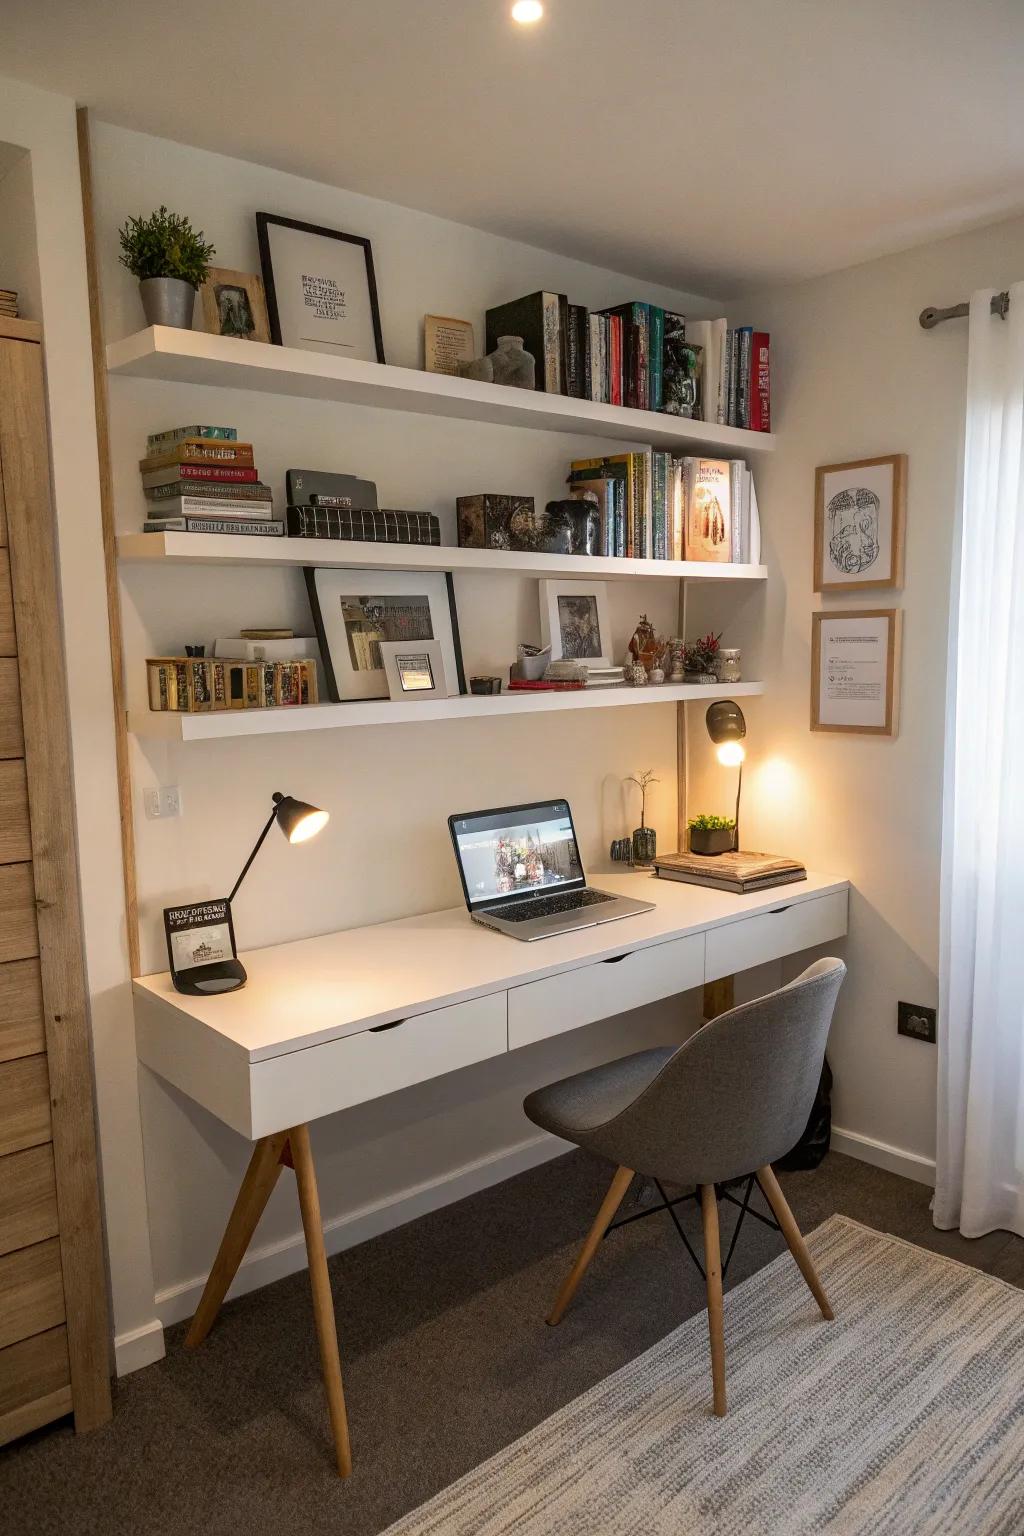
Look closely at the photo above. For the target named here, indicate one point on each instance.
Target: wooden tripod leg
(612, 1200)
(323, 1302)
(260, 1177)
(794, 1238)
(713, 1272)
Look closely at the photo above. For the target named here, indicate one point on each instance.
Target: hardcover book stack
(9, 303)
(201, 479)
(196, 684)
(642, 356)
(652, 506)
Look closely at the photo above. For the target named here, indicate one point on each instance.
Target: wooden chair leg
(612, 1200)
(794, 1238)
(323, 1302)
(713, 1271)
(260, 1177)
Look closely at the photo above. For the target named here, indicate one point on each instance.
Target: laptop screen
(518, 851)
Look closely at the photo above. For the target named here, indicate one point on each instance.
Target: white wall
(854, 375)
(19, 263)
(386, 851)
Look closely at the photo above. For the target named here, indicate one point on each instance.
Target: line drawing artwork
(853, 535)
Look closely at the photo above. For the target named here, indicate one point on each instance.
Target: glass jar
(511, 364)
(728, 667)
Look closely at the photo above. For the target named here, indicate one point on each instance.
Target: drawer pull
(775, 911)
(614, 959)
(375, 1029)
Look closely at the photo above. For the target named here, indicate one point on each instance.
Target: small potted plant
(700, 658)
(170, 260)
(712, 834)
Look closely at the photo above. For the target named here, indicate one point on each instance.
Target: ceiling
(714, 145)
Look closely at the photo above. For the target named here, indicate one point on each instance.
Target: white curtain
(980, 1162)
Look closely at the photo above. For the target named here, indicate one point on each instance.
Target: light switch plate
(162, 801)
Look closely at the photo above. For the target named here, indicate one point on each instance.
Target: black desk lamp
(201, 937)
(727, 728)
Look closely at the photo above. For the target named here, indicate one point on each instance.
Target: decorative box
(497, 522)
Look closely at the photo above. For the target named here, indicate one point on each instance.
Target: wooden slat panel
(28, 1198)
(12, 741)
(8, 643)
(24, 1104)
(25, 467)
(34, 1383)
(21, 1010)
(15, 842)
(18, 935)
(31, 1291)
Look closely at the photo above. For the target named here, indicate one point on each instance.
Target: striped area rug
(904, 1417)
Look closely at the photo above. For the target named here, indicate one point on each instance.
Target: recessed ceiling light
(526, 12)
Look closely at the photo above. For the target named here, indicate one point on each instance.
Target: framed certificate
(855, 662)
(321, 291)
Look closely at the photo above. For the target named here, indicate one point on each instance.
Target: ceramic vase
(645, 846)
(511, 364)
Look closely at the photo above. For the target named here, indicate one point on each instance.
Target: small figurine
(647, 648)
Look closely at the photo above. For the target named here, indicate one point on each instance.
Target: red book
(760, 383)
(527, 685)
(615, 359)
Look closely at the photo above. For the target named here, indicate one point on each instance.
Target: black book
(540, 319)
(578, 352)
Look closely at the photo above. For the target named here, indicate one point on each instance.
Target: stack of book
(739, 872)
(201, 479)
(643, 356)
(197, 684)
(606, 677)
(9, 303)
(652, 506)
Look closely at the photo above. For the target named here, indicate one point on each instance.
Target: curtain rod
(931, 316)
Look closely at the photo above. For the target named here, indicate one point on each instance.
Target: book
(578, 352)
(730, 410)
(660, 505)
(598, 325)
(215, 490)
(760, 383)
(271, 528)
(201, 684)
(364, 525)
(210, 506)
(635, 321)
(656, 372)
(159, 442)
(538, 319)
(710, 335)
(219, 474)
(614, 359)
(198, 450)
(707, 499)
(739, 871)
(601, 490)
(743, 380)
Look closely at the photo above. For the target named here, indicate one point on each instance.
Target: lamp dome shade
(725, 722)
(298, 820)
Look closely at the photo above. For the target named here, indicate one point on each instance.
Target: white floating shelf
(170, 726)
(244, 549)
(191, 357)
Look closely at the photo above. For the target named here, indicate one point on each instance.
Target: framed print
(855, 667)
(574, 621)
(321, 291)
(414, 671)
(356, 611)
(234, 304)
(859, 514)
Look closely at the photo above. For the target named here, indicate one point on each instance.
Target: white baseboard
(272, 1262)
(881, 1155)
(139, 1347)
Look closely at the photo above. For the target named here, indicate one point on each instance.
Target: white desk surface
(309, 991)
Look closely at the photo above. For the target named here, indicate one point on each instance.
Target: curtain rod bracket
(930, 317)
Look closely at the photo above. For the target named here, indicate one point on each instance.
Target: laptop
(521, 872)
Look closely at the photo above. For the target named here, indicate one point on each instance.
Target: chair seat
(581, 1103)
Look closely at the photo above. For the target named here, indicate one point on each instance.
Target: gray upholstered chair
(729, 1102)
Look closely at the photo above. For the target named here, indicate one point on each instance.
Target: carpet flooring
(446, 1359)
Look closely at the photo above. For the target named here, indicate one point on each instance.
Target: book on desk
(738, 871)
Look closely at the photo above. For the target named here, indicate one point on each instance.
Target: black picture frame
(215, 976)
(263, 224)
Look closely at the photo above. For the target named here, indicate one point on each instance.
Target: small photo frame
(357, 612)
(201, 948)
(855, 668)
(234, 304)
(414, 671)
(321, 291)
(574, 621)
(447, 342)
(859, 517)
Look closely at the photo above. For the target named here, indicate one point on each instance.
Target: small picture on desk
(413, 671)
(198, 934)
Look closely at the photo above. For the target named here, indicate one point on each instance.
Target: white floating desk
(329, 1022)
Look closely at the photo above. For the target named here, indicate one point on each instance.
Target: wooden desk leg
(719, 996)
(323, 1303)
(260, 1177)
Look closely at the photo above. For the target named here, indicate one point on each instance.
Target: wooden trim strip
(20, 330)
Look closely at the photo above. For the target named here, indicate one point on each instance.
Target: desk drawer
(303, 1085)
(768, 935)
(597, 991)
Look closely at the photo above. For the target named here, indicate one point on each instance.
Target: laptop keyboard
(544, 906)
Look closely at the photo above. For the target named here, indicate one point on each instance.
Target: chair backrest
(738, 1093)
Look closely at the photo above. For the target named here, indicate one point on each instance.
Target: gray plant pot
(168, 301)
(711, 840)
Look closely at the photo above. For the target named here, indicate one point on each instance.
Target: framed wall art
(234, 304)
(859, 516)
(356, 612)
(321, 291)
(574, 621)
(855, 668)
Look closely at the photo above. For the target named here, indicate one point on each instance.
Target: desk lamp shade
(297, 820)
(727, 728)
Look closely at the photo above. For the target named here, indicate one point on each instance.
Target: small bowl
(485, 685)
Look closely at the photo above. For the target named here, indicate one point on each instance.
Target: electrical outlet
(917, 1022)
(162, 801)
